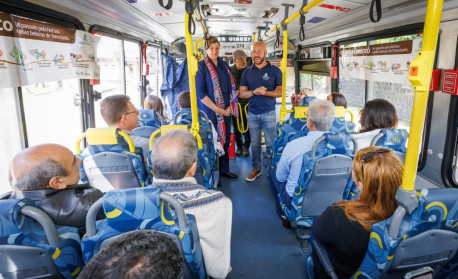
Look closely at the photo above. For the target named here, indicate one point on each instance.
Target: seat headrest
(334, 143)
(102, 136)
(393, 138)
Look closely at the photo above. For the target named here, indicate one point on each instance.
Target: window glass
(110, 60)
(51, 113)
(320, 84)
(153, 60)
(132, 72)
(11, 142)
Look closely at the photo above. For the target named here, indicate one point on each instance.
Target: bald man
(174, 162)
(46, 174)
(261, 84)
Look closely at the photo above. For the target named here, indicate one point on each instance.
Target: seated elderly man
(119, 112)
(320, 118)
(46, 174)
(174, 162)
(138, 254)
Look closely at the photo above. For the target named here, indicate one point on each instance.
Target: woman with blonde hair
(305, 92)
(155, 103)
(344, 228)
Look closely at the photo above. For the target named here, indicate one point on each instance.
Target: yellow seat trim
(113, 214)
(441, 205)
(301, 112)
(181, 235)
(376, 237)
(100, 136)
(56, 254)
(166, 128)
(167, 222)
(76, 271)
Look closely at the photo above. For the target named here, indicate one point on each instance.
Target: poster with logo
(33, 52)
(382, 62)
(290, 78)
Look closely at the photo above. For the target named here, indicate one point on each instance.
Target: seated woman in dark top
(344, 228)
(337, 99)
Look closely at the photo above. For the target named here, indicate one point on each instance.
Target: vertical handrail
(284, 61)
(196, 49)
(420, 77)
(192, 70)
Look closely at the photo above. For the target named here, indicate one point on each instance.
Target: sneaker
(246, 152)
(253, 175)
(239, 152)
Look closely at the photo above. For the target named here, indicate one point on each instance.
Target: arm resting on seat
(323, 256)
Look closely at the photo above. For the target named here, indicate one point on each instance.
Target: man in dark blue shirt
(262, 84)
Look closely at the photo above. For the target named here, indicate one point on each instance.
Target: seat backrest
(143, 208)
(35, 247)
(324, 179)
(427, 237)
(395, 139)
(149, 117)
(111, 161)
(144, 131)
(206, 155)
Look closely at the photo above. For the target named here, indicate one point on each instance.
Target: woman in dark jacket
(216, 96)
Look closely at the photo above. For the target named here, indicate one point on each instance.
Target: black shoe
(228, 175)
(239, 152)
(286, 224)
(246, 152)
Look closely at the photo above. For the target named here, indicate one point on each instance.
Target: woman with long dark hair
(344, 228)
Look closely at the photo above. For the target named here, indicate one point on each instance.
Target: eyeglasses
(371, 155)
(129, 112)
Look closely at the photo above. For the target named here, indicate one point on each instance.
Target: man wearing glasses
(320, 118)
(119, 112)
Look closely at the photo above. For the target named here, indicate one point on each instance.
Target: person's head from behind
(306, 92)
(44, 166)
(155, 103)
(320, 115)
(212, 47)
(135, 255)
(239, 59)
(378, 114)
(377, 172)
(174, 155)
(119, 112)
(337, 99)
(184, 100)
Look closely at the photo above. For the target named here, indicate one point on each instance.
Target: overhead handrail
(420, 76)
(304, 10)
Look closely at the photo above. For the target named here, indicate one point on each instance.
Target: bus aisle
(260, 246)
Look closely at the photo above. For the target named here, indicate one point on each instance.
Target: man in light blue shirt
(320, 118)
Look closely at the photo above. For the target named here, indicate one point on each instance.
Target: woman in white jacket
(377, 114)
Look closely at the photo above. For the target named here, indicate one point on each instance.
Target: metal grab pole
(284, 62)
(420, 77)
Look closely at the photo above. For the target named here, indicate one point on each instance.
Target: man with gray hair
(320, 118)
(242, 140)
(174, 162)
(46, 174)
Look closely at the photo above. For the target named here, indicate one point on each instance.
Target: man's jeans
(256, 123)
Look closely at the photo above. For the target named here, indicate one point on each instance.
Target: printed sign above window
(381, 62)
(33, 52)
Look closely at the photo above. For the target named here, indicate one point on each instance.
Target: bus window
(320, 84)
(110, 60)
(132, 72)
(153, 58)
(50, 113)
(10, 125)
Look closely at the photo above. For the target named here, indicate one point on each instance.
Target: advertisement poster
(290, 78)
(33, 52)
(382, 62)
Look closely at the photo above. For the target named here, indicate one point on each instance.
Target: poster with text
(33, 52)
(388, 62)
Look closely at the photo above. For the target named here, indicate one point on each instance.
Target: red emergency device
(231, 149)
(450, 82)
(435, 79)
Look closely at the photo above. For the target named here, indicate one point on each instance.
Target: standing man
(243, 142)
(261, 83)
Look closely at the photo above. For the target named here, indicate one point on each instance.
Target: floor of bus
(260, 246)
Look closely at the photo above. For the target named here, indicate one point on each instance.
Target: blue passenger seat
(426, 238)
(144, 208)
(325, 178)
(111, 160)
(395, 139)
(149, 117)
(207, 154)
(32, 246)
